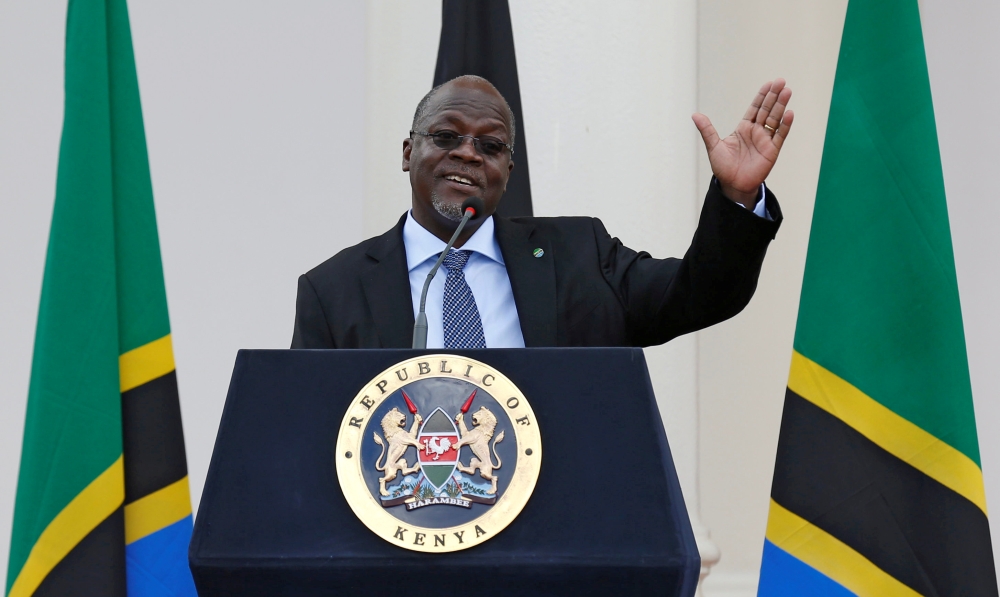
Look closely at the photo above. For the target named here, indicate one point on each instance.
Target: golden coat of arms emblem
(438, 453)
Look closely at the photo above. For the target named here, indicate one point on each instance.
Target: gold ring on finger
(770, 128)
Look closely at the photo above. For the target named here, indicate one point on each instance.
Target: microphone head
(476, 205)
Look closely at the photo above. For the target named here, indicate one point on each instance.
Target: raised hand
(743, 160)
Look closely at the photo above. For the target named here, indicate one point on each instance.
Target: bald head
(426, 105)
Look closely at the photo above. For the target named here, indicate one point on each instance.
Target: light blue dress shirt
(487, 277)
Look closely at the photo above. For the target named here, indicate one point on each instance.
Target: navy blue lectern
(606, 518)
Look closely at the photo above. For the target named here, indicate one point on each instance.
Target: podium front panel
(607, 513)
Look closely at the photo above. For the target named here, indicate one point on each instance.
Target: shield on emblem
(439, 456)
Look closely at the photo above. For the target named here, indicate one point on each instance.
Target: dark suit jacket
(587, 290)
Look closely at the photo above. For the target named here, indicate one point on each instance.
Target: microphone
(472, 208)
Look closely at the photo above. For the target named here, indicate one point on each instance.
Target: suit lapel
(533, 280)
(387, 289)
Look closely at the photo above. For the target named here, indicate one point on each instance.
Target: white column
(608, 90)
(400, 55)
(743, 362)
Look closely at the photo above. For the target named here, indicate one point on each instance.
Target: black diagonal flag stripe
(477, 39)
(152, 436)
(95, 566)
(914, 528)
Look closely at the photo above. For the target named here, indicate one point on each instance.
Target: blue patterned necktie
(462, 326)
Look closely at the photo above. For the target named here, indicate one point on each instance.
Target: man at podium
(540, 281)
(440, 453)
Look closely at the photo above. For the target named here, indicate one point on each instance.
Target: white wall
(608, 90)
(31, 47)
(254, 117)
(743, 363)
(963, 52)
(254, 120)
(274, 134)
(402, 41)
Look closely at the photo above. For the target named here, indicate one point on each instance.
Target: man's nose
(466, 151)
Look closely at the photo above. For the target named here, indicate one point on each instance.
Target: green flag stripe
(880, 305)
(142, 298)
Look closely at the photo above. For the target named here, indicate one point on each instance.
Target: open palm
(743, 160)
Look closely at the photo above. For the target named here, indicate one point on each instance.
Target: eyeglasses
(449, 140)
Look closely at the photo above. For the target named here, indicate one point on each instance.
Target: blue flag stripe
(157, 565)
(784, 575)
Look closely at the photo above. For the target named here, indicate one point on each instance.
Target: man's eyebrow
(498, 123)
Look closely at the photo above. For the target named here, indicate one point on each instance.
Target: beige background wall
(743, 364)
(274, 137)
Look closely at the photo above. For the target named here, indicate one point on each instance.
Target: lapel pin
(538, 253)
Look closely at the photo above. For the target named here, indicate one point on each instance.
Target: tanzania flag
(878, 489)
(103, 505)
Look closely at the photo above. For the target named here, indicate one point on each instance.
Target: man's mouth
(460, 180)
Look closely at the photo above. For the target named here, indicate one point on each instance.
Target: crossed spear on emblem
(409, 404)
(413, 411)
(468, 403)
(465, 407)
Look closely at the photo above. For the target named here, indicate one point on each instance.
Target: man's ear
(510, 168)
(407, 148)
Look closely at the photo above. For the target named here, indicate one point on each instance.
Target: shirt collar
(421, 245)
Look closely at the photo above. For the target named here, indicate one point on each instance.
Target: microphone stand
(420, 325)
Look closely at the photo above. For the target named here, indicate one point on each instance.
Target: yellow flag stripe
(891, 432)
(146, 363)
(157, 510)
(830, 556)
(81, 516)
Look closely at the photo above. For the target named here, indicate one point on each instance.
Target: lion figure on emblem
(393, 426)
(478, 439)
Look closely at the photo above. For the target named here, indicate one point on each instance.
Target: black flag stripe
(95, 566)
(906, 523)
(477, 39)
(153, 437)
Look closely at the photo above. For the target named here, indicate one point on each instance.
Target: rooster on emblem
(437, 446)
